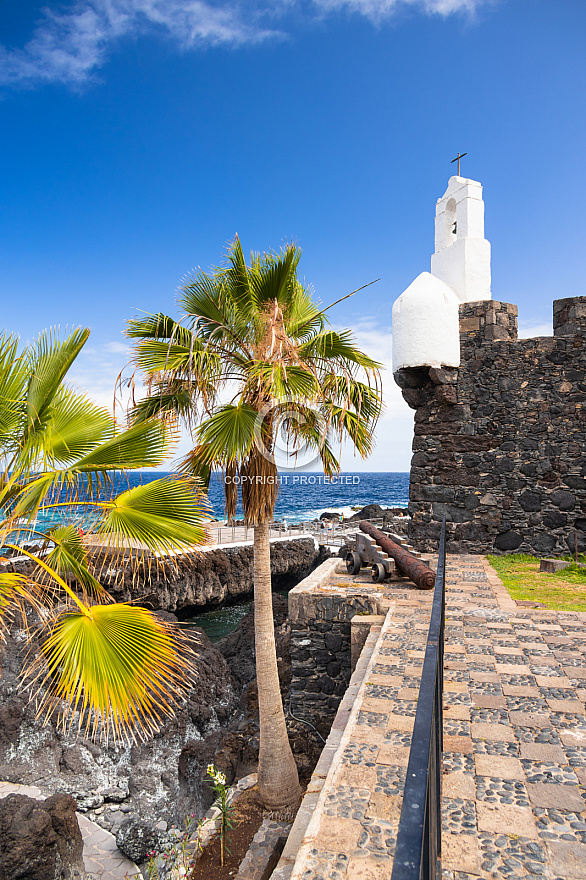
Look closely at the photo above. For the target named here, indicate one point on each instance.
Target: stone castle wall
(500, 443)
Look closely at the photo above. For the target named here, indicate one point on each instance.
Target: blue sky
(138, 136)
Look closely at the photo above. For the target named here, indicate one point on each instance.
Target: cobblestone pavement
(514, 780)
(102, 858)
(514, 774)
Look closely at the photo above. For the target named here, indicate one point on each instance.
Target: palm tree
(252, 363)
(116, 668)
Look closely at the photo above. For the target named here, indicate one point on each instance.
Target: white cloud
(378, 10)
(528, 329)
(69, 46)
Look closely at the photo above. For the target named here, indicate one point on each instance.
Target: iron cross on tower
(457, 159)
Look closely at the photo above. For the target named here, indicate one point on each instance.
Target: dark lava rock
(544, 543)
(235, 750)
(530, 501)
(375, 511)
(508, 541)
(39, 840)
(214, 577)
(562, 499)
(136, 839)
(553, 519)
(35, 754)
(576, 540)
(237, 647)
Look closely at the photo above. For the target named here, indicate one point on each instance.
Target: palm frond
(119, 668)
(69, 556)
(14, 591)
(158, 326)
(229, 434)
(164, 517)
(76, 426)
(329, 346)
(144, 444)
(49, 361)
(13, 378)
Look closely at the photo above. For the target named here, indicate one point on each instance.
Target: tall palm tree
(114, 668)
(253, 362)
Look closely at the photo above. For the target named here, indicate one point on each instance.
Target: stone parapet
(569, 316)
(488, 320)
(320, 614)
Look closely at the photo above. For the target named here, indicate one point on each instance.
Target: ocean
(302, 496)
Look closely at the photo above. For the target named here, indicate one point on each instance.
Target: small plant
(218, 784)
(178, 860)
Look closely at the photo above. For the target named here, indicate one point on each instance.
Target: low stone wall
(320, 615)
(206, 578)
(329, 756)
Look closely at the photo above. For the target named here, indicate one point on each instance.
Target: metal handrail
(418, 851)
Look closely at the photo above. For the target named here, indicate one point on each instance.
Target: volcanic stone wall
(320, 619)
(499, 444)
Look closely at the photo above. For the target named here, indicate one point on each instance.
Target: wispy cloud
(69, 46)
(531, 328)
(378, 10)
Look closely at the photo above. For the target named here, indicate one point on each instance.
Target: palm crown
(118, 667)
(254, 358)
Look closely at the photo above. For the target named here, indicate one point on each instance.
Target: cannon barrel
(409, 566)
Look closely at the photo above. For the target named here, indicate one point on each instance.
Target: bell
(455, 228)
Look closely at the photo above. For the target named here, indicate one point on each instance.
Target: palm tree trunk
(278, 782)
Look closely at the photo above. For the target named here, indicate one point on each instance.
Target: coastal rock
(237, 647)
(235, 750)
(212, 578)
(143, 776)
(39, 840)
(375, 511)
(136, 839)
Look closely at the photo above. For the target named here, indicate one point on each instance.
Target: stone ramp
(102, 858)
(354, 810)
(514, 769)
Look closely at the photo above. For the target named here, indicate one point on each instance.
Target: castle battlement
(500, 442)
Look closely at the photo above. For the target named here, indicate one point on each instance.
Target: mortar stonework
(320, 619)
(499, 444)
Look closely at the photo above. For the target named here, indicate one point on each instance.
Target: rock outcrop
(111, 782)
(375, 511)
(39, 840)
(211, 578)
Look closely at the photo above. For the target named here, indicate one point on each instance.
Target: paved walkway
(514, 784)
(102, 858)
(515, 733)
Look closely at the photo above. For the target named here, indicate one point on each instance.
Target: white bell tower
(462, 254)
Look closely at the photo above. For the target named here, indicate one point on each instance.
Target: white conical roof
(426, 330)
